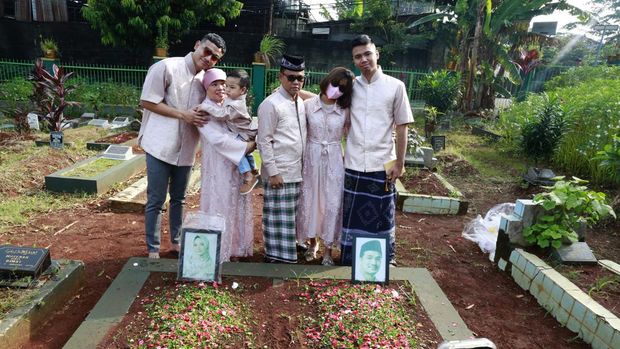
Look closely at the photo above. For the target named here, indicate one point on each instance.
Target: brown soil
(278, 314)
(488, 300)
(118, 138)
(423, 181)
(8, 138)
(601, 284)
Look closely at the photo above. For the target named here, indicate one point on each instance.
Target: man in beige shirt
(281, 140)
(379, 108)
(171, 90)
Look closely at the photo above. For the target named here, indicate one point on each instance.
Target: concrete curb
(432, 204)
(571, 306)
(21, 323)
(117, 299)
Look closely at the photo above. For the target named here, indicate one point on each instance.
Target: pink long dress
(320, 206)
(219, 195)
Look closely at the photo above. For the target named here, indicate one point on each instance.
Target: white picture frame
(199, 258)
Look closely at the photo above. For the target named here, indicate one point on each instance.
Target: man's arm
(191, 116)
(228, 111)
(267, 122)
(401, 147)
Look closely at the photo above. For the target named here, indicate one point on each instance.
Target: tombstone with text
(18, 262)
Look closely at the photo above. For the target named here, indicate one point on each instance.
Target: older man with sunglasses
(172, 88)
(281, 141)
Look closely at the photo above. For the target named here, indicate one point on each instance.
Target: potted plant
(49, 48)
(50, 97)
(161, 41)
(270, 47)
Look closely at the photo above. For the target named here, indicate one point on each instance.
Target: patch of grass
(12, 298)
(92, 168)
(603, 283)
(194, 316)
(484, 157)
(358, 316)
(17, 210)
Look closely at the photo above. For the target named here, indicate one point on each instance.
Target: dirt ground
(489, 301)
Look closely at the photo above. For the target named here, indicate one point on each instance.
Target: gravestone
(118, 152)
(33, 121)
(135, 125)
(19, 262)
(438, 143)
(575, 253)
(88, 116)
(99, 123)
(120, 121)
(537, 176)
(56, 139)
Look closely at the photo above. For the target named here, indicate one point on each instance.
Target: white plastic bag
(483, 231)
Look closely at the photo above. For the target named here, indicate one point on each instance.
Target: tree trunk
(469, 99)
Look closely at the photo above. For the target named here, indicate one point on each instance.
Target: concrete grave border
(117, 299)
(21, 323)
(432, 204)
(57, 182)
(570, 306)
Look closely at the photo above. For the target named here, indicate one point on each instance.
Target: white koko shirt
(376, 107)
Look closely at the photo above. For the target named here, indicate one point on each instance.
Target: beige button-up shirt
(281, 135)
(175, 82)
(376, 107)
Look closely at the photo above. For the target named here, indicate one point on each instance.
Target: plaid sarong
(367, 208)
(279, 210)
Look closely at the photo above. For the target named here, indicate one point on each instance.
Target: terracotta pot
(161, 52)
(51, 54)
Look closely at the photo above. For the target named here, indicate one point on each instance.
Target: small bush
(578, 75)
(441, 89)
(18, 89)
(543, 132)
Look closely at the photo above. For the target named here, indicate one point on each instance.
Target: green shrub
(609, 159)
(577, 75)
(18, 89)
(567, 205)
(593, 118)
(441, 89)
(543, 132)
(511, 121)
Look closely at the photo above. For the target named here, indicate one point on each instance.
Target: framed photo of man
(370, 258)
(199, 258)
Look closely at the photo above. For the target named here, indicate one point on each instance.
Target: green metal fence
(12, 68)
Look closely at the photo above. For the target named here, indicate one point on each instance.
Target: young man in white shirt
(379, 108)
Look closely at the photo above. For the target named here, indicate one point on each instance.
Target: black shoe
(302, 247)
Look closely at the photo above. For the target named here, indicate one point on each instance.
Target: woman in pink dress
(220, 181)
(320, 205)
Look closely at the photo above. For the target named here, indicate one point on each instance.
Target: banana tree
(489, 33)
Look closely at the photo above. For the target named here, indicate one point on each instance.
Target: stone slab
(21, 323)
(575, 253)
(21, 261)
(116, 301)
(610, 265)
(133, 198)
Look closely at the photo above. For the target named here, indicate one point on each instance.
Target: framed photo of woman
(370, 258)
(199, 258)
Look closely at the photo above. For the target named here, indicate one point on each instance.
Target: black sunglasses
(292, 78)
(213, 57)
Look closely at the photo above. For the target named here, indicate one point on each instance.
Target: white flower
(395, 294)
(235, 285)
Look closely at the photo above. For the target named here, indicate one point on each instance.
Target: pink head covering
(211, 75)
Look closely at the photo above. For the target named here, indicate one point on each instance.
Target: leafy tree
(141, 23)
(379, 21)
(489, 33)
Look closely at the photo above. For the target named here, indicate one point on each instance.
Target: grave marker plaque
(33, 121)
(118, 152)
(18, 262)
(438, 143)
(99, 123)
(56, 139)
(575, 253)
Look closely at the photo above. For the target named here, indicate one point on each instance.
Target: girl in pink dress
(320, 206)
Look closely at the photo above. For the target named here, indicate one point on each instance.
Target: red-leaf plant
(50, 93)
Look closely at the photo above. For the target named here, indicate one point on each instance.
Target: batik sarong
(279, 210)
(367, 208)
